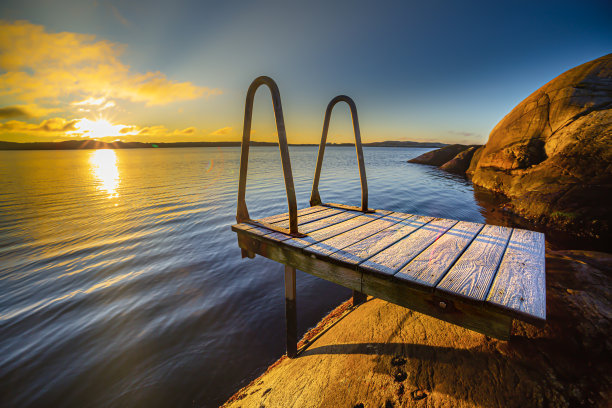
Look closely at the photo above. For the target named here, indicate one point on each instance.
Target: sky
(164, 71)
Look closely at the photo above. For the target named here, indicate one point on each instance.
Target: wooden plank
(334, 244)
(520, 283)
(471, 276)
(489, 322)
(362, 250)
(285, 216)
(345, 207)
(390, 260)
(431, 264)
(336, 229)
(308, 218)
(307, 228)
(305, 216)
(294, 257)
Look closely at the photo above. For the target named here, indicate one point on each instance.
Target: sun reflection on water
(104, 168)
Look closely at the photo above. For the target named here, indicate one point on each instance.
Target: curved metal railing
(315, 198)
(242, 214)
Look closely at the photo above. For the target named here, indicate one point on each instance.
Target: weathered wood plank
(489, 322)
(294, 257)
(334, 244)
(305, 229)
(310, 217)
(430, 265)
(333, 230)
(390, 260)
(304, 215)
(362, 250)
(285, 216)
(471, 276)
(520, 283)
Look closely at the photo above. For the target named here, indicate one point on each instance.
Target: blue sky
(440, 70)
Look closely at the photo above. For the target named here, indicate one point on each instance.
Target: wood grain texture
(362, 250)
(430, 265)
(334, 244)
(520, 283)
(471, 276)
(390, 260)
(322, 234)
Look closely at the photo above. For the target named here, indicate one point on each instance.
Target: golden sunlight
(104, 168)
(97, 129)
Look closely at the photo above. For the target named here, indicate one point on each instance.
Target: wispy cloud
(224, 131)
(90, 101)
(100, 129)
(25, 111)
(10, 112)
(464, 134)
(119, 16)
(52, 127)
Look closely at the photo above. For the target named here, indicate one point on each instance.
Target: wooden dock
(474, 275)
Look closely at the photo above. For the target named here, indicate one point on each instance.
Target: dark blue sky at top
(444, 70)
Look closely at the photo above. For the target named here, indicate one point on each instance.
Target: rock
(475, 157)
(460, 163)
(400, 376)
(439, 156)
(418, 395)
(398, 361)
(552, 154)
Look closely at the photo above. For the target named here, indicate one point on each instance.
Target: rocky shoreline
(380, 354)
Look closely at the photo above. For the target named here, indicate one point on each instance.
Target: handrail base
(348, 207)
(274, 228)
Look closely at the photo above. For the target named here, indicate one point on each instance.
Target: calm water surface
(121, 283)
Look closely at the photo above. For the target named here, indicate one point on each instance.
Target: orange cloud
(40, 65)
(25, 111)
(51, 127)
(12, 112)
(100, 129)
(162, 131)
(222, 132)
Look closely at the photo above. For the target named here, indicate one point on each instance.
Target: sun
(97, 129)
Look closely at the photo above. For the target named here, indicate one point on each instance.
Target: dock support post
(358, 297)
(290, 311)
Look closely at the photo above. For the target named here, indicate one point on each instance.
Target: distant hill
(94, 144)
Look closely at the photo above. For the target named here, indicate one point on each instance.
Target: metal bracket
(315, 198)
(242, 214)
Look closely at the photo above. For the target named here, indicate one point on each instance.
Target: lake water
(121, 283)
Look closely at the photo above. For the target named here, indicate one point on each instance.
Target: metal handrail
(242, 214)
(315, 198)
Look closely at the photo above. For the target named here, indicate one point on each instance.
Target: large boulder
(460, 163)
(440, 156)
(551, 154)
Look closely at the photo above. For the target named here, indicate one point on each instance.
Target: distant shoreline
(94, 144)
